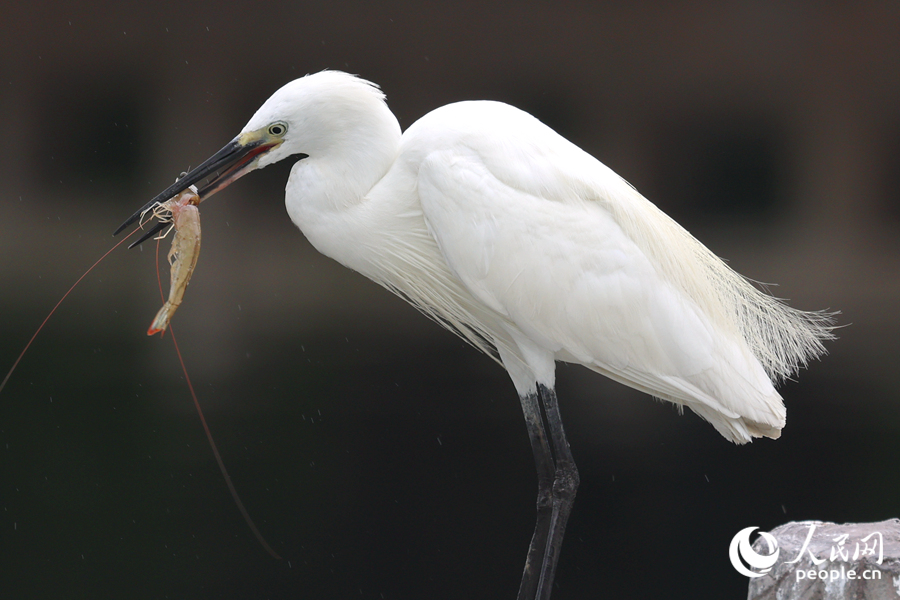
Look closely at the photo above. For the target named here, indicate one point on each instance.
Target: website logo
(740, 552)
(848, 559)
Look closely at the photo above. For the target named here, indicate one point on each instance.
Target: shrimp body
(182, 211)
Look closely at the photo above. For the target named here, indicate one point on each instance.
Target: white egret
(499, 229)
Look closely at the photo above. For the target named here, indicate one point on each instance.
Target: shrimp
(183, 213)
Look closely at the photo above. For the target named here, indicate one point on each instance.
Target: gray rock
(854, 561)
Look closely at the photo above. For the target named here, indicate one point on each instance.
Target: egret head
(310, 116)
(313, 115)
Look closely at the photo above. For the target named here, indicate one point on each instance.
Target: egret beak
(229, 164)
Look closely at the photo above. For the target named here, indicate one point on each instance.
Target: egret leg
(557, 484)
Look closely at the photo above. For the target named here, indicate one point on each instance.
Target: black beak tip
(137, 215)
(227, 155)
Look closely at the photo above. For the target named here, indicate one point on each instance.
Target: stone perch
(825, 561)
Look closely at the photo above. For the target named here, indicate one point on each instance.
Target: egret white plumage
(496, 227)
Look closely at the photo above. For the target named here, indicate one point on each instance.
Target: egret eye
(277, 129)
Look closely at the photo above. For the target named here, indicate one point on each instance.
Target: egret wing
(532, 243)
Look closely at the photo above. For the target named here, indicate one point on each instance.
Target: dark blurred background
(380, 455)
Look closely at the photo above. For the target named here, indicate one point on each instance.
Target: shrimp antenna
(47, 318)
(212, 443)
(150, 233)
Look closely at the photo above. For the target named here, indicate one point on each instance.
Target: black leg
(543, 460)
(557, 484)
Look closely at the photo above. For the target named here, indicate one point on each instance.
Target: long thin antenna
(212, 443)
(47, 318)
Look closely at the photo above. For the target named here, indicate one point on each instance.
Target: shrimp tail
(161, 322)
